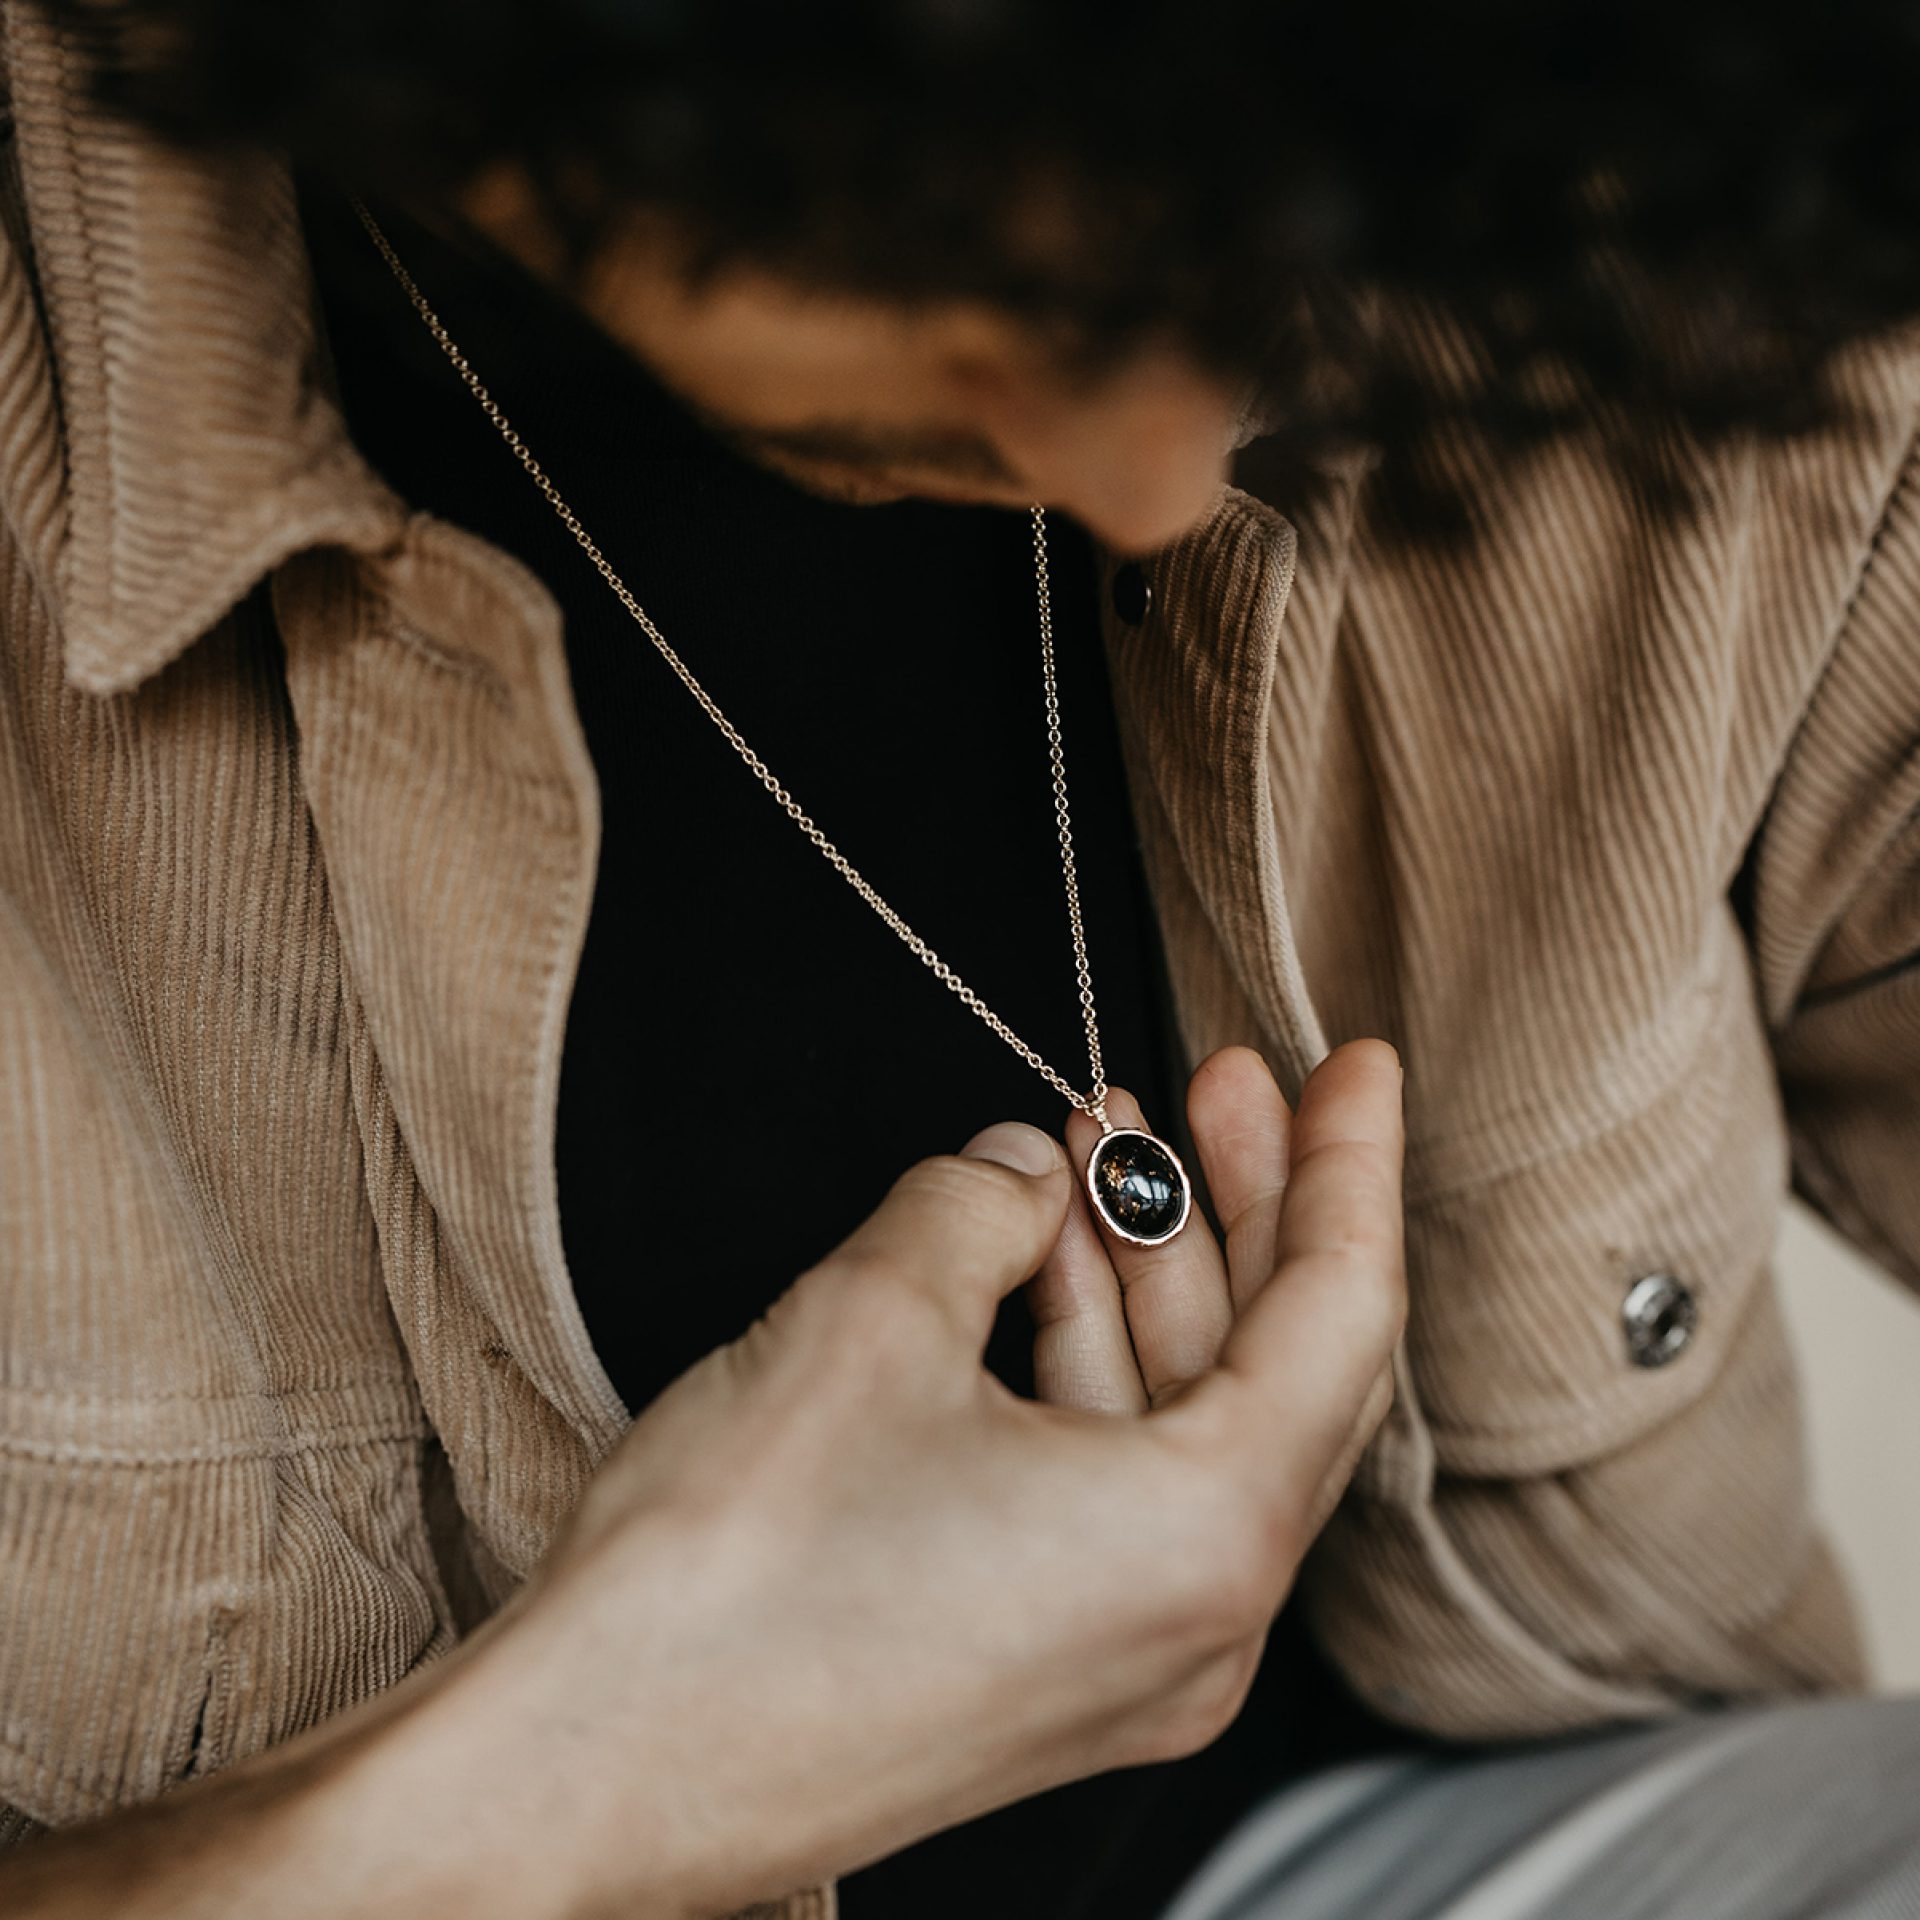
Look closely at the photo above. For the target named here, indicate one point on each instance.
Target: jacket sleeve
(1833, 907)
(1683, 1563)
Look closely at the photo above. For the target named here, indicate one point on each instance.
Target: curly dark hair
(1673, 211)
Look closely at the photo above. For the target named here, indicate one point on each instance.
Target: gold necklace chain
(1093, 1103)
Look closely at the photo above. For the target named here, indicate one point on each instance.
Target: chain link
(1093, 1103)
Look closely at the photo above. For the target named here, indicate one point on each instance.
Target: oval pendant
(1138, 1186)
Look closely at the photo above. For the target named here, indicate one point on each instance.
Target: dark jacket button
(1660, 1314)
(1132, 593)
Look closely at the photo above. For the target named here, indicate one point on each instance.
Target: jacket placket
(452, 793)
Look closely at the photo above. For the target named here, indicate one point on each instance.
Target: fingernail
(1013, 1144)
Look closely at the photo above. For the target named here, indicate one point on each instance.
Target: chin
(837, 483)
(862, 492)
(859, 487)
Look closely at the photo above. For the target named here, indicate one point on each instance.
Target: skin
(838, 1587)
(868, 401)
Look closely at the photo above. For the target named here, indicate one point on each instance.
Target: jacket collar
(203, 449)
(201, 445)
(1193, 685)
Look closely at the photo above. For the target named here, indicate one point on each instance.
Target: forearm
(411, 1805)
(829, 1595)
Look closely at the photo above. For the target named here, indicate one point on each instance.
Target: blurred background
(1859, 1338)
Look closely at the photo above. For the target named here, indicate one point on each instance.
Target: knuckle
(1201, 1427)
(1370, 1170)
(1165, 1393)
(1202, 1709)
(877, 1315)
(1256, 1202)
(968, 1191)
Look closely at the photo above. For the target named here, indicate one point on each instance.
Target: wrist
(477, 1794)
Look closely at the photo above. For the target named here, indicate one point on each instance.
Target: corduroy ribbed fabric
(1608, 818)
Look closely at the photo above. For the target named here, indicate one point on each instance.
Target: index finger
(1294, 1374)
(962, 1230)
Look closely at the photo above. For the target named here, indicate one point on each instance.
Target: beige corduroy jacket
(1610, 820)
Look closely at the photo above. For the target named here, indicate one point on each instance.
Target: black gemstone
(1138, 1185)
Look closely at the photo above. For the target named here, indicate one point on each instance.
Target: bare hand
(840, 1587)
(1122, 1328)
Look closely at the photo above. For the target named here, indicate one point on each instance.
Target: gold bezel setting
(1100, 1207)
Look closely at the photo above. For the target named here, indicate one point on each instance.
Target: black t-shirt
(751, 1056)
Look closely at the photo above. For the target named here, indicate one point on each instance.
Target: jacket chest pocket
(1566, 1303)
(1591, 1501)
(168, 1614)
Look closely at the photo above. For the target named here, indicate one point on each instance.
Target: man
(427, 1045)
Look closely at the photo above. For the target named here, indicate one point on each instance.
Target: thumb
(961, 1230)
